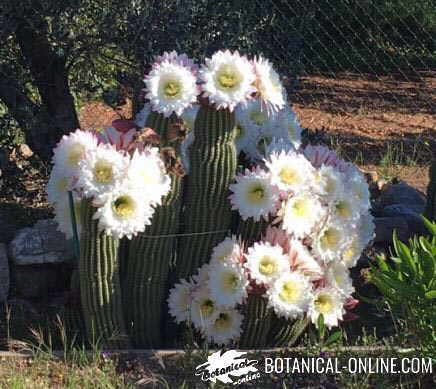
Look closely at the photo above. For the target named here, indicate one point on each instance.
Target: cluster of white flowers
(124, 183)
(210, 300)
(317, 206)
(250, 87)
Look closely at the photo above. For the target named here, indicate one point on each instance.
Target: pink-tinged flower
(277, 236)
(321, 155)
(174, 58)
(349, 305)
(303, 261)
(124, 125)
(121, 140)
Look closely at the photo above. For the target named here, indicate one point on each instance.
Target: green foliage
(408, 286)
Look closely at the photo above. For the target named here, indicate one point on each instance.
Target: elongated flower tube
(100, 285)
(207, 213)
(151, 254)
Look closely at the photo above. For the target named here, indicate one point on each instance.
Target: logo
(221, 366)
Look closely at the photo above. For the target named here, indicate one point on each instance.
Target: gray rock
(4, 274)
(403, 194)
(413, 219)
(40, 244)
(385, 227)
(38, 281)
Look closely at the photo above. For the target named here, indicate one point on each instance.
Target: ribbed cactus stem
(150, 256)
(100, 284)
(257, 322)
(430, 210)
(257, 316)
(285, 332)
(207, 214)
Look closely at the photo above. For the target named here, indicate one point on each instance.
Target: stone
(385, 226)
(41, 244)
(402, 193)
(4, 274)
(413, 219)
(40, 281)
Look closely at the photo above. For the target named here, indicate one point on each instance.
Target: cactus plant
(207, 214)
(150, 257)
(100, 284)
(257, 316)
(430, 210)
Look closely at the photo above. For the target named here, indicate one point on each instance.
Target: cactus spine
(430, 210)
(257, 316)
(207, 209)
(100, 286)
(150, 258)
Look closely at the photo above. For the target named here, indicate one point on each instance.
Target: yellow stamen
(290, 292)
(256, 195)
(223, 323)
(324, 304)
(103, 173)
(289, 176)
(172, 89)
(267, 266)
(124, 207)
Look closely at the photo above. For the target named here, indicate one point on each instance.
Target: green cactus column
(150, 259)
(430, 210)
(257, 316)
(207, 208)
(100, 286)
(285, 332)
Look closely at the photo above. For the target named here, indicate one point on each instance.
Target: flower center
(290, 292)
(267, 266)
(227, 77)
(172, 89)
(207, 308)
(349, 252)
(230, 281)
(75, 155)
(301, 207)
(262, 143)
(343, 209)
(103, 172)
(330, 238)
(239, 132)
(257, 117)
(324, 304)
(124, 207)
(256, 195)
(289, 176)
(223, 323)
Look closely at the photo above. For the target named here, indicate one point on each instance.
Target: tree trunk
(51, 78)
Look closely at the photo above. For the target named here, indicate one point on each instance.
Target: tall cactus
(207, 214)
(430, 210)
(100, 286)
(150, 258)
